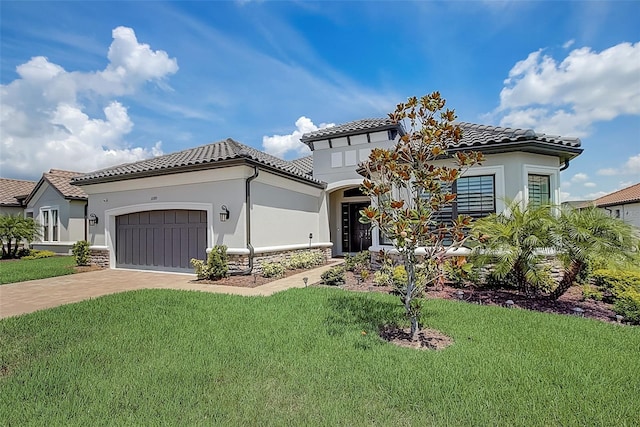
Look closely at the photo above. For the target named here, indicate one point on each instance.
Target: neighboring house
(13, 192)
(578, 204)
(60, 208)
(623, 204)
(159, 213)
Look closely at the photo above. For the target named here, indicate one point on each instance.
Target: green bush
(591, 292)
(382, 278)
(306, 259)
(628, 305)
(81, 252)
(37, 254)
(400, 277)
(273, 269)
(624, 289)
(617, 281)
(359, 260)
(458, 271)
(216, 266)
(334, 276)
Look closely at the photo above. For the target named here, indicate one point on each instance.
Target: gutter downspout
(565, 166)
(247, 201)
(86, 223)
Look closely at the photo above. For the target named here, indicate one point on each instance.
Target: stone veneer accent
(99, 257)
(241, 262)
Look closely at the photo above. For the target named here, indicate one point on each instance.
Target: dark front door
(161, 240)
(356, 237)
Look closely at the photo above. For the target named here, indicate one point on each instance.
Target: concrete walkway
(27, 297)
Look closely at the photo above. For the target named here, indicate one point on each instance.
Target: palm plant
(514, 242)
(588, 236)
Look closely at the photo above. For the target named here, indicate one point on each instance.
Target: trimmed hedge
(624, 288)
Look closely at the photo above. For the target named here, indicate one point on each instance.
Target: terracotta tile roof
(474, 137)
(12, 189)
(621, 197)
(207, 156)
(61, 181)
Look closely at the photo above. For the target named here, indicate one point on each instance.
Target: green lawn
(299, 358)
(31, 269)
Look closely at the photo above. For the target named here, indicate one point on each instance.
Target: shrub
(628, 305)
(591, 292)
(458, 271)
(334, 276)
(617, 282)
(361, 259)
(272, 269)
(399, 277)
(306, 259)
(23, 252)
(216, 266)
(36, 254)
(81, 252)
(382, 278)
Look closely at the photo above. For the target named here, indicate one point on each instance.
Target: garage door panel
(161, 240)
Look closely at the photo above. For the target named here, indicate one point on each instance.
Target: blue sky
(86, 85)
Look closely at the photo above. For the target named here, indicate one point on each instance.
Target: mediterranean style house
(159, 213)
(57, 205)
(60, 208)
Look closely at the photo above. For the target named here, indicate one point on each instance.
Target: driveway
(27, 297)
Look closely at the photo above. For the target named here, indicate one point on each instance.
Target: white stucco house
(159, 213)
(60, 208)
(623, 204)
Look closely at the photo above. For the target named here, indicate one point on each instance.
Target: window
(539, 190)
(50, 226)
(476, 197)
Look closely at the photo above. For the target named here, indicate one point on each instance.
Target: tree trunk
(409, 266)
(568, 279)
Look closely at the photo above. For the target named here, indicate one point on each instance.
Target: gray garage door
(161, 240)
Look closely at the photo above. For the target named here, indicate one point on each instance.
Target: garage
(161, 240)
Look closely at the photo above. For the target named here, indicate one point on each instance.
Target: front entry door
(356, 237)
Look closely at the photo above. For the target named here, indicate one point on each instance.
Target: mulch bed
(564, 305)
(248, 281)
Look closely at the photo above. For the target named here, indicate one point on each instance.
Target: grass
(300, 358)
(31, 269)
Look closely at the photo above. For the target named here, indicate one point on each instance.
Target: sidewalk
(27, 297)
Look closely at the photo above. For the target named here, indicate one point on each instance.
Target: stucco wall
(284, 212)
(11, 210)
(629, 213)
(70, 216)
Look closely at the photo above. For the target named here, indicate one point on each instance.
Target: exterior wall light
(224, 215)
(93, 219)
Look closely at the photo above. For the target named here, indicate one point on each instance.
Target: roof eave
(309, 140)
(538, 147)
(218, 164)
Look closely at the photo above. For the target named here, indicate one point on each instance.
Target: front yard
(19, 270)
(310, 357)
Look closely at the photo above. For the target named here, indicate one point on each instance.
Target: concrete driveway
(27, 297)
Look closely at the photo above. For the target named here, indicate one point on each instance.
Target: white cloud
(567, 97)
(568, 44)
(579, 177)
(630, 167)
(281, 145)
(45, 125)
(590, 184)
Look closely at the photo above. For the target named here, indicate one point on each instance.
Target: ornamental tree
(410, 190)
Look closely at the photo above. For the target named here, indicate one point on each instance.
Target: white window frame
(554, 181)
(52, 233)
